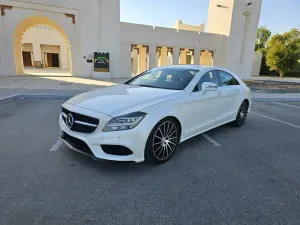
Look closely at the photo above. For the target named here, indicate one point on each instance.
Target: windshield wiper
(144, 85)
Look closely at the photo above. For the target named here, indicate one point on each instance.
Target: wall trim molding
(3, 7)
(40, 7)
(71, 16)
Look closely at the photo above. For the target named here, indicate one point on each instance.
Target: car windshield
(165, 78)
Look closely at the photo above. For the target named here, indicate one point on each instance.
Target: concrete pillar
(176, 56)
(142, 59)
(163, 56)
(148, 61)
(64, 57)
(197, 56)
(37, 52)
(192, 59)
(45, 59)
(182, 56)
(36, 47)
(32, 58)
(152, 51)
(138, 62)
(170, 59)
(69, 53)
(134, 62)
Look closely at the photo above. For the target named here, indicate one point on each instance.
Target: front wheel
(162, 141)
(241, 115)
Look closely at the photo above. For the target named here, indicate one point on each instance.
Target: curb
(11, 98)
(8, 99)
(45, 96)
(276, 99)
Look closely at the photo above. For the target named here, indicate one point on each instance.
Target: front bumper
(134, 139)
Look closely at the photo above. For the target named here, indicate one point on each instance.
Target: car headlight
(125, 122)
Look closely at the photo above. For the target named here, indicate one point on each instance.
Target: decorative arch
(27, 24)
(207, 57)
(164, 55)
(186, 56)
(139, 58)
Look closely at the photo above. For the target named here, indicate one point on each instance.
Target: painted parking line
(56, 146)
(293, 106)
(280, 121)
(211, 140)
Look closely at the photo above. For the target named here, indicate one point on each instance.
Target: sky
(278, 15)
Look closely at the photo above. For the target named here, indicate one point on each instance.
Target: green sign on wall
(101, 62)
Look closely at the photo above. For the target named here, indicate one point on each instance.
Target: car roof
(200, 68)
(189, 66)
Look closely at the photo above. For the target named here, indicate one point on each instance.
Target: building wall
(159, 36)
(256, 63)
(96, 26)
(91, 31)
(228, 17)
(180, 26)
(219, 18)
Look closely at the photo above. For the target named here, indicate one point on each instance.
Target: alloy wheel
(242, 114)
(165, 140)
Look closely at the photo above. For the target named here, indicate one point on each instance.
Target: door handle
(219, 93)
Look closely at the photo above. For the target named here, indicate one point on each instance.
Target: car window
(210, 76)
(166, 78)
(227, 79)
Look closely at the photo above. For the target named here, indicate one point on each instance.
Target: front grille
(77, 143)
(83, 128)
(116, 150)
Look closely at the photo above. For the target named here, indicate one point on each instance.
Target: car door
(206, 105)
(231, 90)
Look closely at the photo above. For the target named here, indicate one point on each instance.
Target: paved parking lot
(249, 175)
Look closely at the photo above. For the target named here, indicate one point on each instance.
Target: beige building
(64, 35)
(180, 26)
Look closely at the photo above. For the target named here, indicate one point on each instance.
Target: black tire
(162, 141)
(241, 115)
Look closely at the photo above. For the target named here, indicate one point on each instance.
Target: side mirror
(208, 86)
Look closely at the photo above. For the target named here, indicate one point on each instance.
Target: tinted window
(210, 76)
(227, 79)
(166, 78)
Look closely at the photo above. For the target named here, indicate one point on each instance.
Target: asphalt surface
(253, 178)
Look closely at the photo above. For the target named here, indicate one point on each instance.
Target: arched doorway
(164, 56)
(186, 56)
(206, 57)
(139, 59)
(24, 27)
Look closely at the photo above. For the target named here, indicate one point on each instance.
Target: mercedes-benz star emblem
(69, 121)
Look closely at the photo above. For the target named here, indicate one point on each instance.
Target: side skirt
(203, 131)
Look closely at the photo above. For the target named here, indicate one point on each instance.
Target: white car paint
(121, 99)
(197, 112)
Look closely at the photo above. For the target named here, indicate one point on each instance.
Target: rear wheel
(162, 141)
(241, 115)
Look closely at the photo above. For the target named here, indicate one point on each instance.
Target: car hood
(122, 99)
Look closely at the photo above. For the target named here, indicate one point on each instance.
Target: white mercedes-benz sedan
(148, 116)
